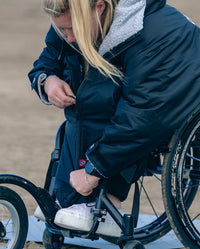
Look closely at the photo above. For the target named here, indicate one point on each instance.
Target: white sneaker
(109, 227)
(39, 214)
(79, 217)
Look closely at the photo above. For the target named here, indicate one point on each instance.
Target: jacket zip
(79, 90)
(78, 135)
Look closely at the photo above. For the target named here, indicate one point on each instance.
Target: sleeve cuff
(92, 170)
(40, 83)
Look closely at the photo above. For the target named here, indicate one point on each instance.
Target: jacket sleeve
(49, 63)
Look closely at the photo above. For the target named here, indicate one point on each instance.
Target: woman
(127, 74)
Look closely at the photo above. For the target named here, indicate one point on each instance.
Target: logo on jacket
(82, 163)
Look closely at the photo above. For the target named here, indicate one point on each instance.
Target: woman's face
(64, 22)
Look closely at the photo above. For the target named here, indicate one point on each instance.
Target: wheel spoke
(148, 198)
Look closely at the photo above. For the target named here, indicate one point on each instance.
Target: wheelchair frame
(49, 209)
(126, 222)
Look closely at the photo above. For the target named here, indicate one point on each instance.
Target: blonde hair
(81, 22)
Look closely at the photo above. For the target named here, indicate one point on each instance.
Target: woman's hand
(82, 182)
(59, 92)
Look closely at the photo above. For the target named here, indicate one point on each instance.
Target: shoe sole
(70, 220)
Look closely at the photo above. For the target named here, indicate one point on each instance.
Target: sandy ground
(28, 127)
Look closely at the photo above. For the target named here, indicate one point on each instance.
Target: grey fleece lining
(128, 21)
(41, 80)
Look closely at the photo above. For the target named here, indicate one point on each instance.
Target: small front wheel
(13, 220)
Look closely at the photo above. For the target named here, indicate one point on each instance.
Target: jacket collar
(128, 13)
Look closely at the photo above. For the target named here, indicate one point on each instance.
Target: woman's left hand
(82, 182)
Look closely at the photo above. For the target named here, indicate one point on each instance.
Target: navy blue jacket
(116, 126)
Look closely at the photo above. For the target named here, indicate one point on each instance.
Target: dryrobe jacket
(157, 48)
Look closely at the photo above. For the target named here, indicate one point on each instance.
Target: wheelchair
(176, 173)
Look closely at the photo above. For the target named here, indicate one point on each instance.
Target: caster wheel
(13, 219)
(134, 244)
(51, 240)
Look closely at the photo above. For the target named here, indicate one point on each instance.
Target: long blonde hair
(81, 22)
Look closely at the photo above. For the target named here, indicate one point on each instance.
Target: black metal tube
(104, 202)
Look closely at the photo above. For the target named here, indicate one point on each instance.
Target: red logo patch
(82, 163)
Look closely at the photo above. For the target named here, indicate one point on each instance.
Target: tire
(13, 220)
(180, 184)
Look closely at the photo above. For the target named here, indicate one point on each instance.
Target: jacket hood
(128, 13)
(128, 21)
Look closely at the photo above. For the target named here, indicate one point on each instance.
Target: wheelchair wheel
(13, 220)
(180, 184)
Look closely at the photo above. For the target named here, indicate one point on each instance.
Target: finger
(86, 193)
(56, 102)
(70, 100)
(64, 99)
(61, 100)
(68, 91)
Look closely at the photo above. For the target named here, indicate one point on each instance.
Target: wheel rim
(185, 184)
(10, 219)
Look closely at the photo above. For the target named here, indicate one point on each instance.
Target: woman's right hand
(59, 92)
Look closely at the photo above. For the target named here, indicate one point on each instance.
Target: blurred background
(28, 127)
